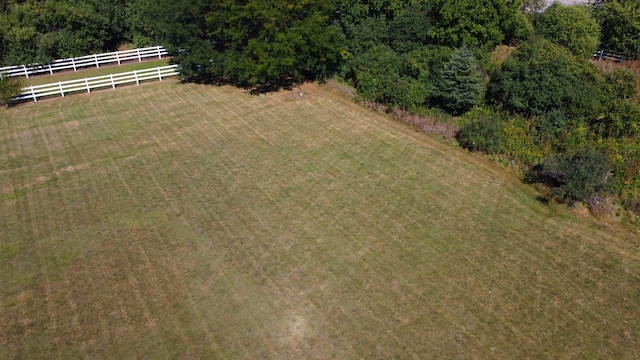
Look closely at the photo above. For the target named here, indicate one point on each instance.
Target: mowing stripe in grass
(205, 222)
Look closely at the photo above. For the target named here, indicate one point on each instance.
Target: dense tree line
(39, 31)
(544, 104)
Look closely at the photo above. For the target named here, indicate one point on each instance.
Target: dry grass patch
(173, 221)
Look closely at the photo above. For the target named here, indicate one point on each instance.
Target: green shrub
(376, 73)
(540, 77)
(625, 164)
(576, 177)
(620, 118)
(550, 125)
(520, 141)
(621, 84)
(10, 87)
(570, 26)
(482, 131)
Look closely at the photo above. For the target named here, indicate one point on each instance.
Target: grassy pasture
(186, 221)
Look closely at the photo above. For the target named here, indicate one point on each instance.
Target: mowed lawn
(189, 221)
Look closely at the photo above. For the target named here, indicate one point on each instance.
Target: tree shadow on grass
(253, 86)
(273, 86)
(543, 199)
(544, 181)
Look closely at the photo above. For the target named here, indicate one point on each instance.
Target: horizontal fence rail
(608, 55)
(63, 88)
(85, 61)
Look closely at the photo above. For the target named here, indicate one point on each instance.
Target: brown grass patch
(501, 53)
(425, 123)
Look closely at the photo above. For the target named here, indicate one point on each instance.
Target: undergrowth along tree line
(515, 76)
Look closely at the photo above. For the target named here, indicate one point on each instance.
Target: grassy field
(92, 72)
(187, 221)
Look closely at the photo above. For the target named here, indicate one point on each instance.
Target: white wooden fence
(85, 61)
(609, 55)
(63, 88)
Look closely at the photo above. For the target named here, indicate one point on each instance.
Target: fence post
(113, 84)
(159, 74)
(139, 58)
(86, 81)
(50, 69)
(73, 62)
(26, 73)
(95, 57)
(135, 73)
(61, 90)
(159, 53)
(118, 57)
(35, 98)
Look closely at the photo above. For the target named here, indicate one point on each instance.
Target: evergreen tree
(460, 88)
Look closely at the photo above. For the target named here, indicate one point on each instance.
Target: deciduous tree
(477, 23)
(258, 42)
(620, 27)
(570, 26)
(540, 77)
(576, 177)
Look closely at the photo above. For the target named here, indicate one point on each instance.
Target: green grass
(188, 221)
(93, 71)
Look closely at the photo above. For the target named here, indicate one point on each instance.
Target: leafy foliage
(540, 77)
(408, 81)
(479, 23)
(551, 124)
(377, 74)
(621, 84)
(570, 26)
(620, 118)
(520, 31)
(10, 87)
(39, 31)
(576, 177)
(620, 27)
(409, 30)
(366, 34)
(625, 163)
(482, 131)
(258, 42)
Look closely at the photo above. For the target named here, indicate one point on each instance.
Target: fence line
(85, 61)
(63, 88)
(609, 55)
